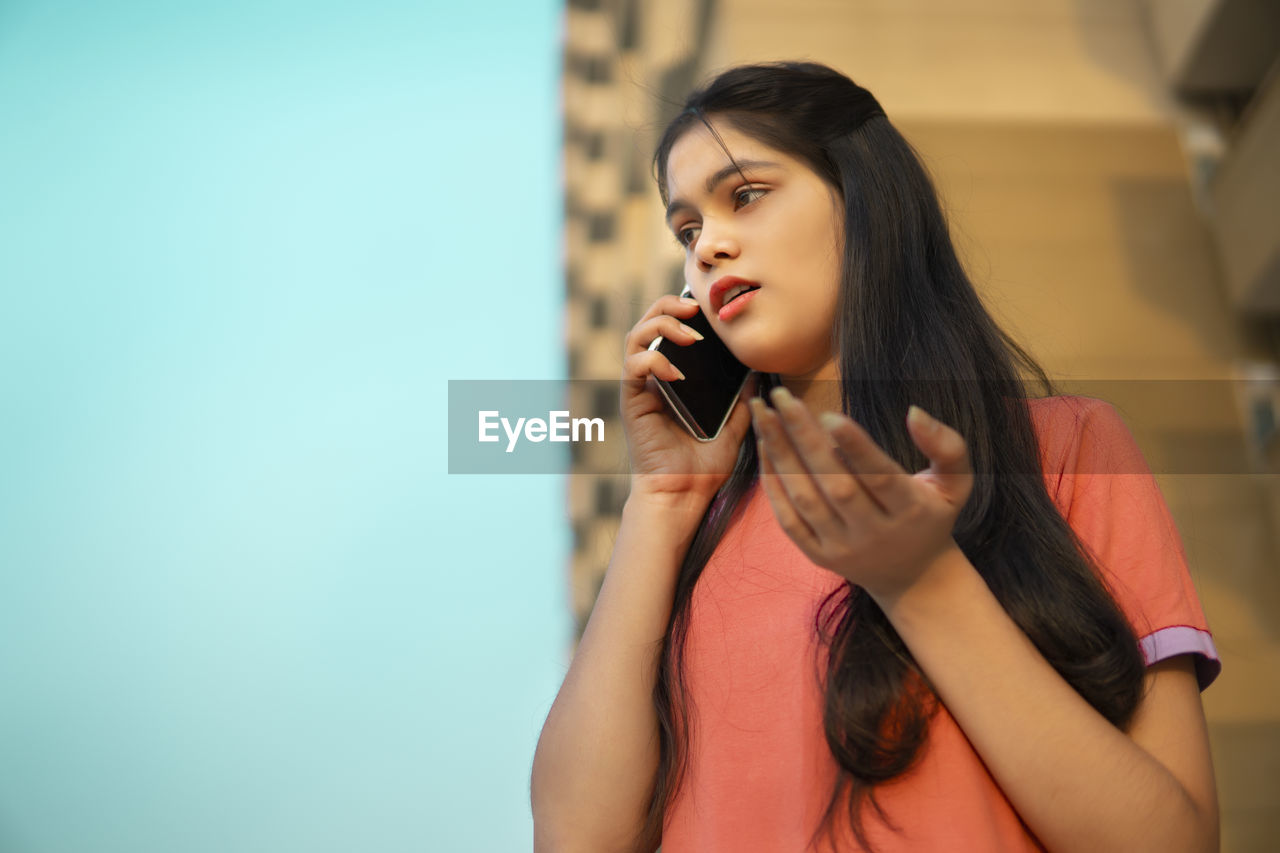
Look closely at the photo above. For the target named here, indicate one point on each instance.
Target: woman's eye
(686, 236)
(741, 198)
(746, 195)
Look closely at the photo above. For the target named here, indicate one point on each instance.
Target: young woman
(909, 605)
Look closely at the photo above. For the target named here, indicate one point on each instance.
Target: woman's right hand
(666, 461)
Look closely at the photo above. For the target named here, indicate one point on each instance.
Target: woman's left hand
(863, 516)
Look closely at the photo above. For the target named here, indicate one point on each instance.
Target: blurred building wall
(1063, 162)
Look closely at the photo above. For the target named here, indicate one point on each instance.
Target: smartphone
(703, 400)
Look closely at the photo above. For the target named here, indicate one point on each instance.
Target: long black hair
(910, 328)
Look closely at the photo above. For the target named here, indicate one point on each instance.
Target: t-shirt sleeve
(1104, 488)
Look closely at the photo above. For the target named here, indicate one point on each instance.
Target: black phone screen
(713, 379)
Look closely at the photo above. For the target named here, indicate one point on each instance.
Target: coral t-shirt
(760, 772)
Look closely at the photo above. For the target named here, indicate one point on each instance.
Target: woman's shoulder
(1072, 417)
(1068, 407)
(1083, 435)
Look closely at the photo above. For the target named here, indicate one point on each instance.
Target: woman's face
(778, 228)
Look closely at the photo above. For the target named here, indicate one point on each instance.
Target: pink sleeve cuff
(1183, 640)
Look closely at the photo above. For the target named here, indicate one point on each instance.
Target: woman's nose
(715, 244)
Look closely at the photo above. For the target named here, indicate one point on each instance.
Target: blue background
(243, 247)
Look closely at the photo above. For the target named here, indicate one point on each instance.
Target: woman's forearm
(595, 765)
(1077, 781)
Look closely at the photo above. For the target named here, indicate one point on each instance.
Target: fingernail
(781, 395)
(688, 300)
(920, 419)
(697, 336)
(830, 420)
(679, 374)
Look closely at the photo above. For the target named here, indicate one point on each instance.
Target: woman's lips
(727, 286)
(734, 308)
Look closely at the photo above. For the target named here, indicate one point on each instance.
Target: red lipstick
(730, 294)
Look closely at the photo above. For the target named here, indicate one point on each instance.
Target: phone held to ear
(702, 401)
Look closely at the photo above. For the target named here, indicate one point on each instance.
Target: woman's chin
(760, 358)
(784, 364)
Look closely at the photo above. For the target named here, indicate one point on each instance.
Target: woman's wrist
(940, 585)
(660, 526)
(682, 493)
(674, 504)
(674, 512)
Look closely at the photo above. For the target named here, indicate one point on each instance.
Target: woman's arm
(1077, 781)
(595, 765)
(594, 769)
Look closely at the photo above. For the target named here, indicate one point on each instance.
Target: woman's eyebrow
(719, 175)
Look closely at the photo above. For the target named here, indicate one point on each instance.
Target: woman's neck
(819, 390)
